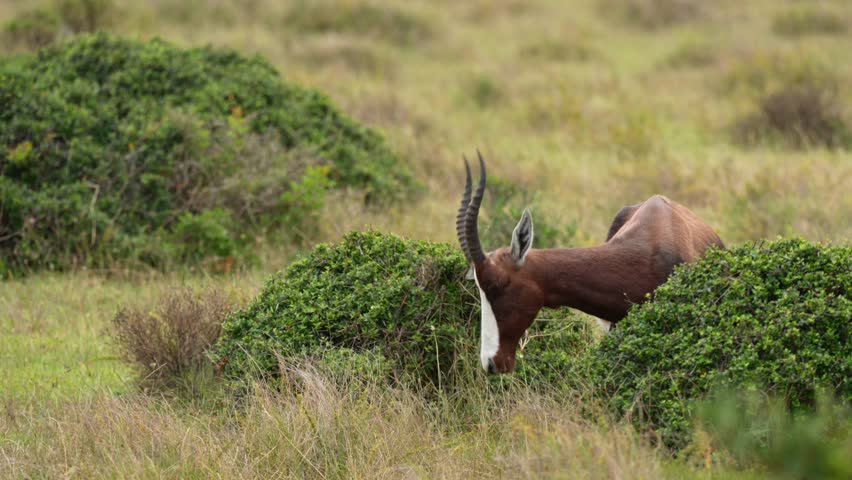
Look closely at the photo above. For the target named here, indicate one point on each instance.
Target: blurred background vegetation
(739, 110)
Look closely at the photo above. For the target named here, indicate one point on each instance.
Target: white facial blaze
(490, 334)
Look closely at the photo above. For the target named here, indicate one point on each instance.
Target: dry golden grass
(331, 428)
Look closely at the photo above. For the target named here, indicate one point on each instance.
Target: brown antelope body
(643, 245)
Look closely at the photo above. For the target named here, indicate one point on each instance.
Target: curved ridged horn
(462, 215)
(471, 230)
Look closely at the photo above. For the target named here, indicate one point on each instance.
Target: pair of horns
(466, 220)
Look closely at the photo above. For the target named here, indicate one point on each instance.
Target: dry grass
(330, 429)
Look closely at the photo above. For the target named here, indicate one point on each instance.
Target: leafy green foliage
(403, 299)
(773, 316)
(109, 145)
(761, 432)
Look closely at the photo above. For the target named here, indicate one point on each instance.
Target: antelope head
(510, 296)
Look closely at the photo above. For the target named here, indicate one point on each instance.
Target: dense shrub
(803, 21)
(773, 316)
(171, 340)
(112, 149)
(798, 117)
(378, 298)
(31, 29)
(401, 298)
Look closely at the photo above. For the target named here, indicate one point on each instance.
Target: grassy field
(585, 104)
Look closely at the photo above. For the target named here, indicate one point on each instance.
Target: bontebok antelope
(642, 247)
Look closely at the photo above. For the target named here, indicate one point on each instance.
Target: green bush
(403, 299)
(761, 433)
(392, 305)
(108, 145)
(31, 29)
(772, 316)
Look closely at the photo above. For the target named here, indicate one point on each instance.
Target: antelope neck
(603, 281)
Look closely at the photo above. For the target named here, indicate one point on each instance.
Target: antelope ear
(522, 237)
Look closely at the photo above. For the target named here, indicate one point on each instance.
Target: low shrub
(652, 14)
(484, 92)
(798, 117)
(797, 22)
(86, 16)
(691, 54)
(172, 340)
(364, 18)
(773, 316)
(113, 150)
(797, 97)
(402, 299)
(758, 74)
(32, 29)
(559, 50)
(401, 307)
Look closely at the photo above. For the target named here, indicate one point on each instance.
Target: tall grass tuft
(170, 341)
(330, 425)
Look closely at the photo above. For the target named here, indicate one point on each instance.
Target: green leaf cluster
(108, 146)
(774, 317)
(401, 299)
